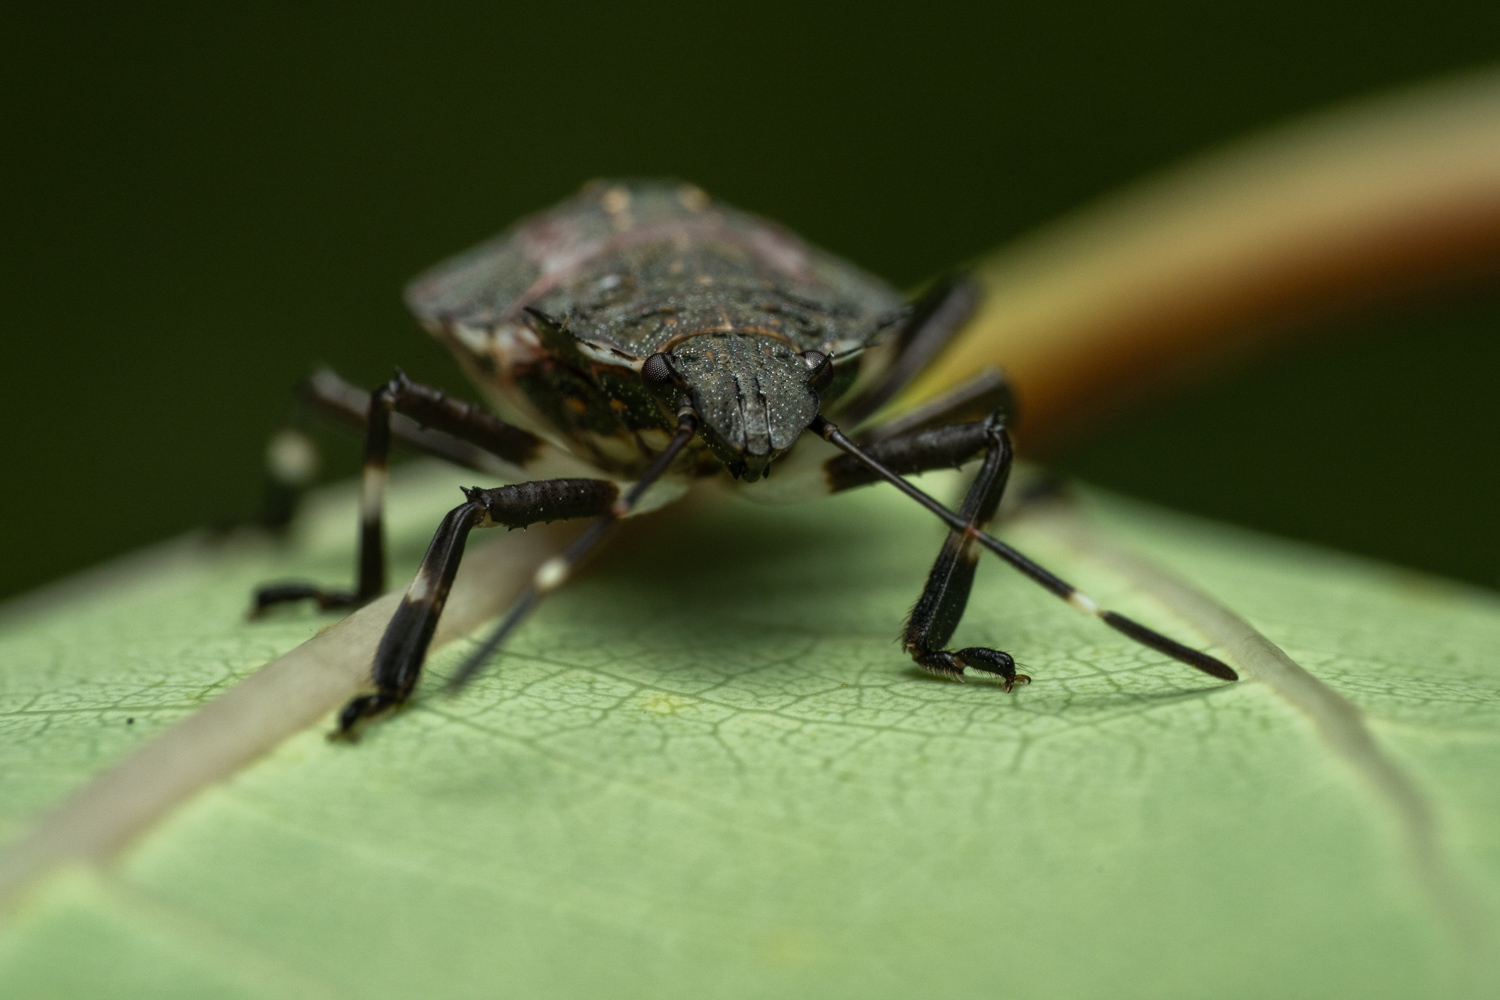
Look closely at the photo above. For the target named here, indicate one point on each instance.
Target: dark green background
(204, 202)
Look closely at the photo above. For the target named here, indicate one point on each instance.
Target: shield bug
(640, 336)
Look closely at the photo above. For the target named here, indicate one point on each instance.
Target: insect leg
(937, 612)
(292, 458)
(933, 320)
(914, 452)
(1076, 598)
(986, 393)
(555, 571)
(813, 472)
(346, 404)
(398, 659)
(403, 647)
(463, 424)
(292, 462)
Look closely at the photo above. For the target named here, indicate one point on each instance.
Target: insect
(640, 336)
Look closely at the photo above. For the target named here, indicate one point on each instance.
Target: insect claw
(354, 716)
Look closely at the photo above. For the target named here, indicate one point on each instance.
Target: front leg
(937, 612)
(887, 460)
(398, 659)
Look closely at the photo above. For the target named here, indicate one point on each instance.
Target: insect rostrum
(640, 336)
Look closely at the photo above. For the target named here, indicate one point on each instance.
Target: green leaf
(706, 769)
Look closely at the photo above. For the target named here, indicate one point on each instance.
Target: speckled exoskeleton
(640, 336)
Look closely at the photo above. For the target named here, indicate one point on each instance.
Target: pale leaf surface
(705, 769)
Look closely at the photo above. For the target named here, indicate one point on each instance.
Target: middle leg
(468, 427)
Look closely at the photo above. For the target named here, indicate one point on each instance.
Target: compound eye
(657, 373)
(821, 366)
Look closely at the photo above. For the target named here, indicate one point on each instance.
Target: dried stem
(1387, 196)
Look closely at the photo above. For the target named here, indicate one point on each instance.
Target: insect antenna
(552, 573)
(1046, 578)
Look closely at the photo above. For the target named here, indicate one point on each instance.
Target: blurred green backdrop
(205, 201)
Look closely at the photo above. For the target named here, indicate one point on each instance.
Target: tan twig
(1381, 197)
